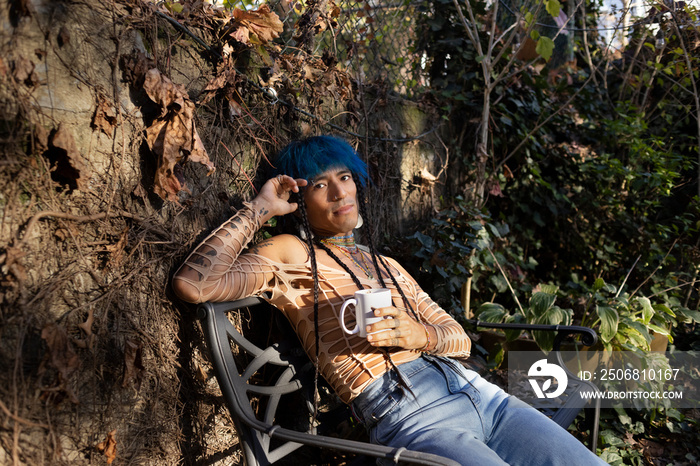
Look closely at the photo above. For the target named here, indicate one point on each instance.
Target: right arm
(216, 270)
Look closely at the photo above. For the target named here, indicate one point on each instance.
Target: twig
(627, 276)
(507, 281)
(656, 269)
(239, 166)
(79, 218)
(16, 418)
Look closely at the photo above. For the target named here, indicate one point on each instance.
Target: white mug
(365, 302)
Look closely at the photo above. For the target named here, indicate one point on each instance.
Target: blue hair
(308, 158)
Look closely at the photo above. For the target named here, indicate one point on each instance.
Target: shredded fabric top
(348, 362)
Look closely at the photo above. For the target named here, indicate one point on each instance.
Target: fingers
(287, 183)
(396, 329)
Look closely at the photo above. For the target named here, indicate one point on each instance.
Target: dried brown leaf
(69, 163)
(10, 264)
(242, 35)
(23, 71)
(385, 130)
(86, 327)
(60, 356)
(117, 250)
(140, 191)
(173, 136)
(133, 363)
(262, 22)
(108, 446)
(105, 118)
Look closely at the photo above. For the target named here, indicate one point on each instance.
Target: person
(401, 381)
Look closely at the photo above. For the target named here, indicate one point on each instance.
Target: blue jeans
(455, 413)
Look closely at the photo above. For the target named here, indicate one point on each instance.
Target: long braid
(373, 251)
(363, 211)
(341, 263)
(314, 272)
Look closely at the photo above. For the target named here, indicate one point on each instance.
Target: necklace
(346, 242)
(344, 245)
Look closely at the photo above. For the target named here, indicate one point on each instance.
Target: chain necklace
(346, 245)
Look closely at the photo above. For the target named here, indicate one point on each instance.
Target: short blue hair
(308, 158)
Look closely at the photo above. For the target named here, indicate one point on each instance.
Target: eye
(319, 185)
(346, 177)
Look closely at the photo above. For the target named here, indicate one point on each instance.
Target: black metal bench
(254, 380)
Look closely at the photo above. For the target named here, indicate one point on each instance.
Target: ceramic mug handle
(347, 302)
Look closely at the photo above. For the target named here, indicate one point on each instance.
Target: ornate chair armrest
(588, 335)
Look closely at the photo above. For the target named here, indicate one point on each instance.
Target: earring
(360, 221)
(302, 233)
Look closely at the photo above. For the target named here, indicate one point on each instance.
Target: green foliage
(541, 310)
(456, 248)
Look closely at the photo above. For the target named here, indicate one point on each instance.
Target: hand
(274, 195)
(397, 329)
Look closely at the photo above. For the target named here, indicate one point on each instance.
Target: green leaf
(545, 47)
(598, 284)
(528, 19)
(647, 309)
(547, 288)
(513, 333)
(640, 328)
(658, 329)
(688, 315)
(553, 316)
(553, 8)
(175, 7)
(666, 310)
(608, 322)
(491, 312)
(540, 302)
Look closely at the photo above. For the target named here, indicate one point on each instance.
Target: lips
(346, 209)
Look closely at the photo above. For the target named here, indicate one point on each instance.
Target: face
(331, 202)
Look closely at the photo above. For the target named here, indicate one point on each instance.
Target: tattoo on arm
(256, 249)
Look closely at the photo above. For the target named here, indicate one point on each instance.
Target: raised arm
(216, 271)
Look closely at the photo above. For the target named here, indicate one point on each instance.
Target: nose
(338, 192)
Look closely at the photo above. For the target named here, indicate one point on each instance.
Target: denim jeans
(451, 411)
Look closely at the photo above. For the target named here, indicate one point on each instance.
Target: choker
(346, 245)
(346, 242)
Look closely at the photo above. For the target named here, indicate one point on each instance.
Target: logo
(542, 368)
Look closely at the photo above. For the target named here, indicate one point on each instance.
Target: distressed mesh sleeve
(452, 340)
(215, 270)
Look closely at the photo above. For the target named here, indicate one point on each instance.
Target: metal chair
(241, 386)
(250, 375)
